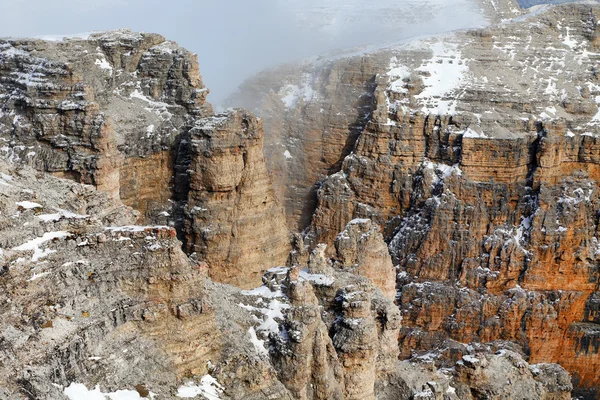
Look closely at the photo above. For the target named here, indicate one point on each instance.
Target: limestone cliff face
(451, 230)
(125, 112)
(311, 126)
(89, 109)
(81, 299)
(90, 298)
(315, 111)
(360, 249)
(337, 338)
(477, 158)
(235, 222)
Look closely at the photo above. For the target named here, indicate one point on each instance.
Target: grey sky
(236, 38)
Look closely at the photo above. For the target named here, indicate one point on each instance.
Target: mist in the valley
(237, 38)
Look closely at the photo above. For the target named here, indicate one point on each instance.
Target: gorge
(412, 221)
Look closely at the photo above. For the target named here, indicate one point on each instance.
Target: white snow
(156, 107)
(446, 71)
(60, 38)
(262, 291)
(28, 205)
(154, 247)
(357, 221)
(149, 130)
(35, 244)
(569, 41)
(165, 47)
(425, 394)
(134, 228)
(37, 276)
(78, 391)
(32, 79)
(259, 345)
(290, 94)
(12, 52)
(287, 154)
(397, 73)
(470, 359)
(209, 388)
(49, 217)
(274, 310)
(318, 279)
(470, 133)
(60, 214)
(443, 169)
(104, 64)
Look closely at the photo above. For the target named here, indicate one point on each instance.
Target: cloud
(237, 38)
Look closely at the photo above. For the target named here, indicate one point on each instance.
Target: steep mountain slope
(88, 297)
(476, 154)
(431, 267)
(127, 113)
(94, 306)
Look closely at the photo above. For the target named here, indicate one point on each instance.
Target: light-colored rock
(234, 222)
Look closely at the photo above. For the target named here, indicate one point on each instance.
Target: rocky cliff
(475, 153)
(125, 112)
(89, 298)
(450, 249)
(93, 305)
(233, 218)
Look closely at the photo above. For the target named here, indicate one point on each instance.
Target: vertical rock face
(477, 158)
(337, 338)
(83, 108)
(482, 374)
(125, 112)
(312, 125)
(309, 365)
(71, 305)
(314, 112)
(235, 222)
(481, 212)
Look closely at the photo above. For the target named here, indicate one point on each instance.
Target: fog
(237, 38)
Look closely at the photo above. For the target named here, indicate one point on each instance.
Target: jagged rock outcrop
(315, 111)
(338, 339)
(477, 157)
(126, 113)
(334, 335)
(89, 297)
(91, 109)
(235, 223)
(82, 299)
(506, 375)
(360, 249)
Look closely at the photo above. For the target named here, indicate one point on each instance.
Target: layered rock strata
(125, 112)
(234, 220)
(94, 304)
(476, 157)
(93, 299)
(331, 334)
(314, 112)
